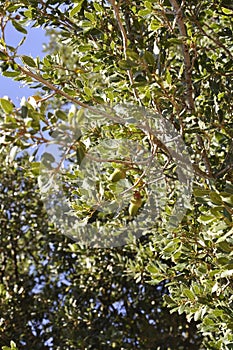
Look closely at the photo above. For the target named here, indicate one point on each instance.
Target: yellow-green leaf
(76, 9)
(6, 105)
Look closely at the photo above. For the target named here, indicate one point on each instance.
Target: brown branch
(3, 24)
(224, 171)
(125, 44)
(202, 174)
(214, 39)
(120, 24)
(40, 79)
(186, 55)
(49, 85)
(188, 79)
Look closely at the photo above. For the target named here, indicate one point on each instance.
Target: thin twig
(45, 98)
(60, 92)
(213, 38)
(224, 171)
(188, 78)
(125, 44)
(117, 161)
(49, 85)
(139, 179)
(186, 55)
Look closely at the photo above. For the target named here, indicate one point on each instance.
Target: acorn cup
(135, 204)
(117, 175)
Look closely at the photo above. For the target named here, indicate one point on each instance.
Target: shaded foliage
(57, 294)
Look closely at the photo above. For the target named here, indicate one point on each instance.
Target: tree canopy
(129, 132)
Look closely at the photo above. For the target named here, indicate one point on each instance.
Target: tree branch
(49, 85)
(186, 55)
(188, 79)
(214, 39)
(40, 79)
(152, 138)
(125, 44)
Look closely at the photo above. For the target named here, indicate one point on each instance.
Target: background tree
(56, 294)
(176, 59)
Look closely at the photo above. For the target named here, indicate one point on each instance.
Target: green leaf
(132, 54)
(35, 168)
(98, 7)
(69, 92)
(3, 56)
(80, 152)
(6, 105)
(24, 111)
(148, 5)
(189, 294)
(85, 48)
(90, 16)
(205, 219)
(28, 14)
(127, 64)
(76, 9)
(168, 77)
(169, 301)
(153, 269)
(10, 74)
(199, 192)
(171, 246)
(28, 61)
(215, 198)
(87, 91)
(155, 24)
(149, 58)
(60, 114)
(144, 12)
(99, 99)
(19, 28)
(216, 211)
(13, 345)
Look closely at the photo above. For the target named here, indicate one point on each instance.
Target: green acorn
(117, 175)
(80, 152)
(135, 204)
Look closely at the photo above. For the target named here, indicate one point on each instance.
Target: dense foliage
(57, 295)
(168, 59)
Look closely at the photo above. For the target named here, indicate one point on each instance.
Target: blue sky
(33, 46)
